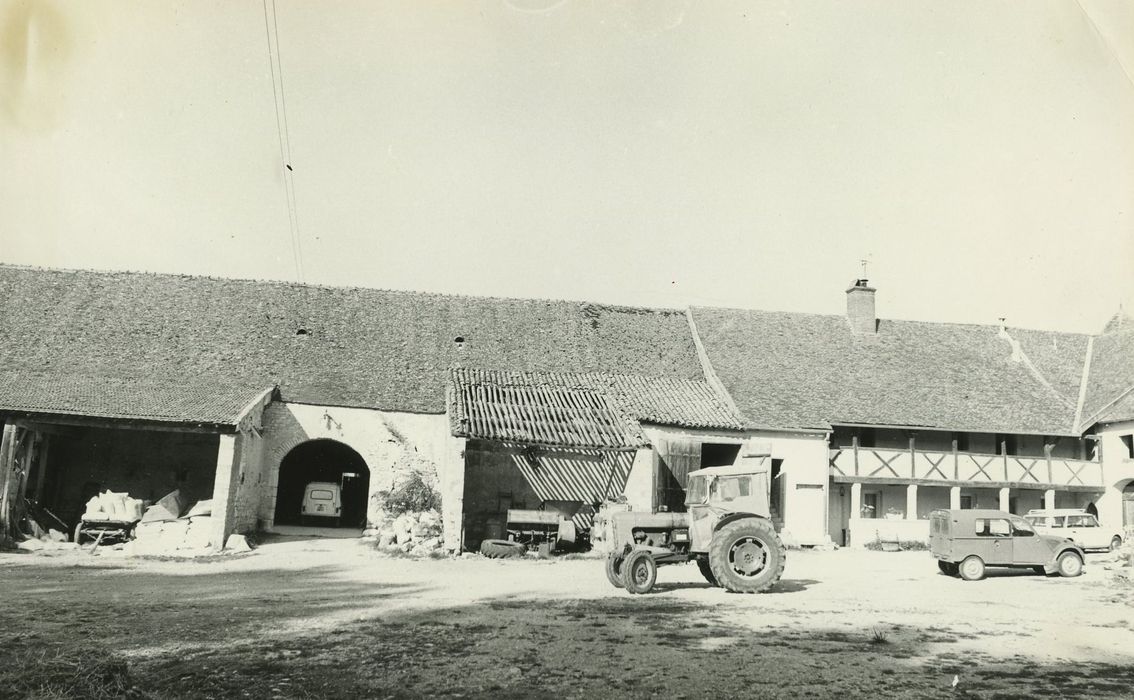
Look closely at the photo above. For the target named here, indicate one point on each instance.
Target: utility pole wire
(280, 103)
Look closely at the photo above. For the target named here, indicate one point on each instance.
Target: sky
(978, 154)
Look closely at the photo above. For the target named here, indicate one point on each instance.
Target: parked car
(1077, 525)
(965, 542)
(323, 500)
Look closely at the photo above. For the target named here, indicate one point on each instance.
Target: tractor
(727, 531)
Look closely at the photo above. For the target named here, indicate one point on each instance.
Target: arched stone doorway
(322, 460)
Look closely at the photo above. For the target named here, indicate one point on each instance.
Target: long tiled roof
(661, 400)
(538, 413)
(320, 345)
(146, 399)
(811, 371)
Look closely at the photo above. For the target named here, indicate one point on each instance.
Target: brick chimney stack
(860, 307)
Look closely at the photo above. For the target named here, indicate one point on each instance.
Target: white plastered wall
(391, 443)
(1117, 469)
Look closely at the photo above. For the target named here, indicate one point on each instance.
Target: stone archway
(328, 460)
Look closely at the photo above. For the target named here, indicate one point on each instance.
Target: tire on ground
(614, 568)
(1070, 564)
(747, 555)
(707, 571)
(639, 572)
(501, 549)
(972, 568)
(1115, 543)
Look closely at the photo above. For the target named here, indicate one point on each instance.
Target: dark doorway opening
(716, 454)
(329, 461)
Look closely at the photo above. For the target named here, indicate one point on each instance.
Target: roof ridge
(337, 287)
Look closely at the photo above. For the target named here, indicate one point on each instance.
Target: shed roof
(1111, 377)
(146, 400)
(322, 345)
(539, 413)
(811, 371)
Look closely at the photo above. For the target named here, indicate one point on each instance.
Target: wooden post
(956, 461)
(1004, 455)
(913, 456)
(7, 467)
(854, 446)
(1047, 457)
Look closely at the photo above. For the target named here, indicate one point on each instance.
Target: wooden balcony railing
(919, 466)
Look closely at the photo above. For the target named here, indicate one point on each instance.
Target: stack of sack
(164, 530)
(109, 505)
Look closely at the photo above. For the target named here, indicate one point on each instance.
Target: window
(732, 487)
(1057, 521)
(320, 495)
(1128, 440)
(966, 502)
(1081, 521)
(871, 503)
(992, 527)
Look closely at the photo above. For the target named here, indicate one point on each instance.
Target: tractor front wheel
(747, 556)
(614, 568)
(639, 572)
(707, 571)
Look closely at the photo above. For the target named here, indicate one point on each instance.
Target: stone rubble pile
(186, 535)
(415, 534)
(109, 505)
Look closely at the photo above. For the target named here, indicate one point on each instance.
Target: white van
(1077, 525)
(322, 499)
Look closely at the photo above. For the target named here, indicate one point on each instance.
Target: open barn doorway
(328, 462)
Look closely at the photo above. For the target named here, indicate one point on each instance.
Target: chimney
(860, 307)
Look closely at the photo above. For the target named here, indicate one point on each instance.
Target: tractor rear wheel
(614, 568)
(747, 556)
(707, 571)
(639, 572)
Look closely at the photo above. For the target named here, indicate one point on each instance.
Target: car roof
(1057, 511)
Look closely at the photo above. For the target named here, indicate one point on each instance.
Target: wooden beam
(966, 484)
(122, 423)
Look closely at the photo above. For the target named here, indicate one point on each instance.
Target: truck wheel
(1115, 543)
(747, 556)
(501, 549)
(947, 567)
(1069, 564)
(614, 569)
(972, 568)
(707, 571)
(639, 572)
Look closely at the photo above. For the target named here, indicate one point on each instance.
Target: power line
(283, 133)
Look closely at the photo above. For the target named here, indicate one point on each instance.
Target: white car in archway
(322, 499)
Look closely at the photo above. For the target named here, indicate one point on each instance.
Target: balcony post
(1047, 457)
(911, 500)
(856, 499)
(956, 462)
(854, 446)
(1049, 499)
(954, 497)
(1004, 501)
(1004, 455)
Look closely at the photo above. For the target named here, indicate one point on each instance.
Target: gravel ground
(331, 618)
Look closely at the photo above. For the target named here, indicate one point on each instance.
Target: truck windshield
(698, 490)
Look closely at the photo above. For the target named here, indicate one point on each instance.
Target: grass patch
(50, 674)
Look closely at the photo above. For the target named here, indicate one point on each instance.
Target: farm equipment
(727, 531)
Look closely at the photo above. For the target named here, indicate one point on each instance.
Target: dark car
(965, 542)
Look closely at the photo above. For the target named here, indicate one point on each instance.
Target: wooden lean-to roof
(580, 409)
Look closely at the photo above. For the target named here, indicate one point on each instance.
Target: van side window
(990, 527)
(1080, 521)
(1057, 521)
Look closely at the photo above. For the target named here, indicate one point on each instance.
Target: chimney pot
(860, 307)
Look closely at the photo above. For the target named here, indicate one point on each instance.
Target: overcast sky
(980, 154)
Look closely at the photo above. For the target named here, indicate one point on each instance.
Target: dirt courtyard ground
(330, 618)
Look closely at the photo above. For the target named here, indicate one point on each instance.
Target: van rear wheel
(1115, 543)
(972, 568)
